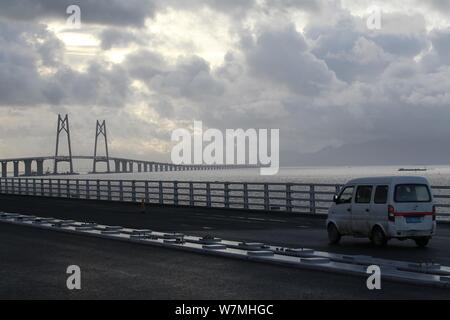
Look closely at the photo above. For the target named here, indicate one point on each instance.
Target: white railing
(290, 197)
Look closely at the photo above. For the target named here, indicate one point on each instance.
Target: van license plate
(413, 219)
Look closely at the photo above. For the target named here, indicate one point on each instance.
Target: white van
(382, 208)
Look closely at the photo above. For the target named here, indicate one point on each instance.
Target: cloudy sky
(313, 69)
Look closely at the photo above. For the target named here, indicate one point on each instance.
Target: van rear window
(412, 193)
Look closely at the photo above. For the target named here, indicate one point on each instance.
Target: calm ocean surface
(437, 175)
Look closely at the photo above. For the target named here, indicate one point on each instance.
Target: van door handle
(349, 209)
(367, 210)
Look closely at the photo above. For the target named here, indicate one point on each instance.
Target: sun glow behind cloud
(203, 33)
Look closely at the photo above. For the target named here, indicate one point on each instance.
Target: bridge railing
(290, 197)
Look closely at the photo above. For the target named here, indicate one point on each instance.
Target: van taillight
(391, 213)
(434, 213)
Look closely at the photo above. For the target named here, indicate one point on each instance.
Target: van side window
(363, 194)
(345, 196)
(381, 194)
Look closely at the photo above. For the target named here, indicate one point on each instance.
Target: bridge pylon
(100, 130)
(63, 125)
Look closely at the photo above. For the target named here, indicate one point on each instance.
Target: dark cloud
(98, 85)
(235, 8)
(24, 50)
(312, 6)
(190, 77)
(442, 6)
(108, 12)
(28, 50)
(282, 56)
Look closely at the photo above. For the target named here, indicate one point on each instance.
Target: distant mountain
(380, 152)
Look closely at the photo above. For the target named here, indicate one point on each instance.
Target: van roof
(389, 180)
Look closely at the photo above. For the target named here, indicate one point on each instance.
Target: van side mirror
(335, 197)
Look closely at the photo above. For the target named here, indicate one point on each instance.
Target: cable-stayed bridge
(119, 164)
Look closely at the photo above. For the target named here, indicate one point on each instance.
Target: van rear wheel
(378, 237)
(422, 242)
(333, 234)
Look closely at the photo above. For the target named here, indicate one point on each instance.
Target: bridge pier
(123, 165)
(16, 168)
(131, 163)
(139, 166)
(40, 167)
(145, 167)
(27, 167)
(117, 166)
(4, 169)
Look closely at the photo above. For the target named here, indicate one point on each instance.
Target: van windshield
(412, 193)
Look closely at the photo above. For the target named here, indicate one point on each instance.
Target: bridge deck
(158, 273)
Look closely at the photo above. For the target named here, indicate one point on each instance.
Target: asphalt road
(33, 262)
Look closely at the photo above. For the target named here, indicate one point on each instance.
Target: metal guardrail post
(147, 195)
(133, 191)
(109, 190)
(175, 193)
(208, 195)
(98, 190)
(88, 189)
(67, 188)
(77, 188)
(34, 187)
(191, 194)
(226, 192)
(289, 197)
(42, 188)
(245, 187)
(50, 188)
(121, 190)
(312, 199)
(160, 192)
(266, 197)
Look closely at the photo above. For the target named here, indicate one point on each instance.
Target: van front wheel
(378, 237)
(422, 242)
(333, 234)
